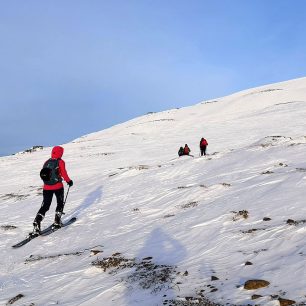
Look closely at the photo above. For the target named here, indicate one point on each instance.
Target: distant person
(186, 150)
(53, 173)
(180, 151)
(203, 146)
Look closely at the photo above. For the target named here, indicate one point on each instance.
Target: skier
(180, 151)
(186, 150)
(203, 145)
(53, 185)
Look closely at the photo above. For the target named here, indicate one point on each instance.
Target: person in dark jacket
(186, 150)
(203, 145)
(180, 151)
(53, 186)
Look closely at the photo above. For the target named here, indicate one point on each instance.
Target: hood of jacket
(57, 152)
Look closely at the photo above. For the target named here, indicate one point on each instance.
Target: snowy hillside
(155, 229)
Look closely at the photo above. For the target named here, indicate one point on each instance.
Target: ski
(45, 232)
(50, 229)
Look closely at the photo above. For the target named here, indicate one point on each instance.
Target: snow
(132, 195)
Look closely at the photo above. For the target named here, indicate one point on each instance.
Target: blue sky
(71, 67)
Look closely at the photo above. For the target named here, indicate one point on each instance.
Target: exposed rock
(293, 222)
(95, 252)
(252, 230)
(190, 301)
(189, 205)
(256, 296)
(255, 284)
(33, 149)
(267, 172)
(248, 263)
(15, 299)
(240, 214)
(213, 278)
(285, 302)
(266, 219)
(8, 227)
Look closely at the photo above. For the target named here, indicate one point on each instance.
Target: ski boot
(36, 225)
(57, 220)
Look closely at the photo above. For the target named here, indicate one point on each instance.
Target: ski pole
(65, 199)
(66, 195)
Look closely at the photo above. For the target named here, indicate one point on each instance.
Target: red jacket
(57, 153)
(186, 150)
(203, 143)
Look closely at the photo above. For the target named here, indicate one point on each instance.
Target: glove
(70, 183)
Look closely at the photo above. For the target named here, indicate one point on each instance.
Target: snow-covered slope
(184, 227)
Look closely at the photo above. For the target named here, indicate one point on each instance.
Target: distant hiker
(203, 145)
(53, 173)
(180, 151)
(186, 150)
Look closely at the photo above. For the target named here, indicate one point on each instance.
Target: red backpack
(204, 142)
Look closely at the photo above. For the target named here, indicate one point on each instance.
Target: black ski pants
(203, 150)
(48, 194)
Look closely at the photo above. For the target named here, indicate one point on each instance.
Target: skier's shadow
(165, 250)
(92, 198)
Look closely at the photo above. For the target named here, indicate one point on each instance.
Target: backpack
(181, 151)
(186, 150)
(204, 142)
(50, 172)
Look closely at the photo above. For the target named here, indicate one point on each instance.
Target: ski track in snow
(133, 195)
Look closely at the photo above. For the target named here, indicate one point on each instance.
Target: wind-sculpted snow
(155, 229)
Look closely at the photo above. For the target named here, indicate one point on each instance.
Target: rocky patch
(8, 227)
(271, 141)
(255, 296)
(241, 214)
(15, 299)
(266, 219)
(143, 273)
(293, 222)
(285, 302)
(168, 216)
(113, 174)
(190, 301)
(14, 196)
(255, 284)
(183, 187)
(267, 172)
(252, 230)
(190, 205)
(114, 263)
(32, 150)
(148, 275)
